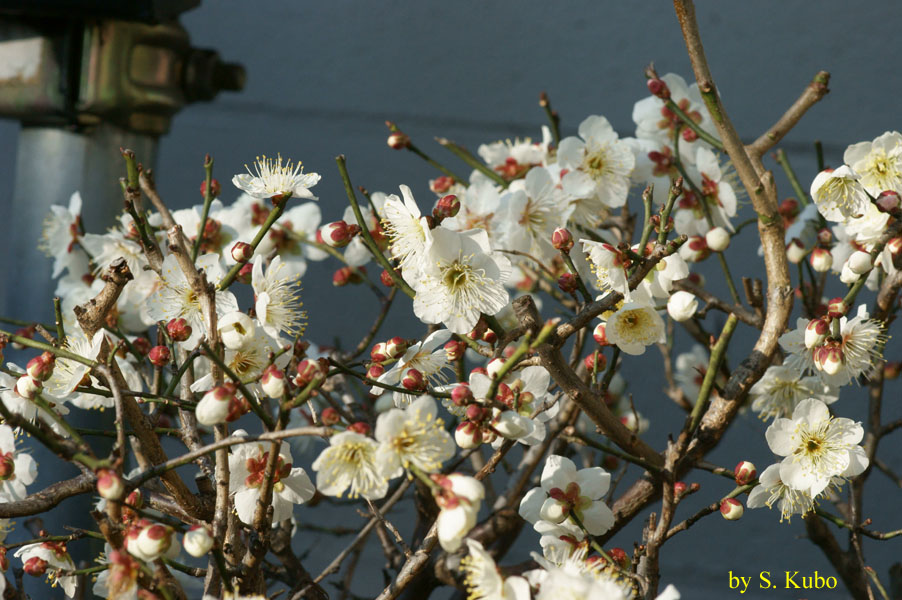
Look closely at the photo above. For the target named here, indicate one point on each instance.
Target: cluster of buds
(148, 541)
(826, 346)
(482, 424)
(390, 350)
(482, 332)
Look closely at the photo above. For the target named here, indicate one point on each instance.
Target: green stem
(58, 317)
(718, 353)
(60, 352)
(583, 290)
(465, 155)
(783, 161)
(251, 399)
(819, 152)
(208, 200)
(687, 120)
(273, 216)
(364, 231)
(554, 120)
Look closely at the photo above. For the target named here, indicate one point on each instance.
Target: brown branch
(47, 498)
(813, 93)
(742, 313)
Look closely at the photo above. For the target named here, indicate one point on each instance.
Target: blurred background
(322, 77)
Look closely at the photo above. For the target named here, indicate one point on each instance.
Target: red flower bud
(413, 380)
(309, 369)
(142, 346)
(245, 274)
(215, 188)
(889, 201)
(35, 566)
(658, 88)
(462, 395)
(398, 140)
(336, 234)
(359, 427)
(330, 416)
(159, 356)
(454, 350)
(242, 252)
(385, 278)
(441, 185)
(447, 207)
(375, 371)
(178, 330)
(568, 283)
(745, 472)
(562, 239)
(596, 361)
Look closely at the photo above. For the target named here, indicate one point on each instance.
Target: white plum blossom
(599, 167)
(817, 447)
(608, 265)
(681, 306)
(459, 497)
(715, 185)
(174, 298)
(17, 469)
(272, 179)
(60, 233)
(27, 409)
(634, 327)
(771, 490)
(461, 279)
(350, 461)
(512, 159)
(428, 357)
(104, 249)
(483, 579)
(564, 491)
(658, 283)
(878, 162)
(408, 232)
(839, 195)
(247, 464)
(57, 557)
(412, 436)
(781, 389)
(277, 299)
(478, 206)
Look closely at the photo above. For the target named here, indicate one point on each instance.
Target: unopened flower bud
(359, 427)
(309, 369)
(468, 435)
(28, 387)
(860, 262)
(35, 566)
(681, 306)
(396, 347)
(159, 356)
(745, 473)
(214, 407)
(178, 330)
(821, 260)
(829, 359)
(454, 350)
(658, 88)
(109, 484)
(197, 541)
(41, 367)
(489, 336)
(494, 367)
(891, 370)
(679, 488)
(562, 239)
(689, 135)
(476, 413)
(554, 510)
(696, 279)
(385, 278)
(336, 234)
(154, 540)
(889, 201)
(595, 362)
(7, 466)
(718, 239)
(568, 283)
(795, 251)
(215, 188)
(242, 252)
(462, 395)
(330, 416)
(695, 249)
(273, 381)
(441, 185)
(245, 274)
(25, 332)
(446, 208)
(836, 308)
(379, 352)
(731, 509)
(375, 371)
(816, 332)
(236, 330)
(413, 380)
(599, 334)
(619, 556)
(347, 275)
(398, 140)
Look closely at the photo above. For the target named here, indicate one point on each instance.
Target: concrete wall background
(323, 76)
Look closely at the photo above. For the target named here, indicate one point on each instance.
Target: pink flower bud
(836, 308)
(398, 140)
(35, 566)
(795, 251)
(568, 283)
(689, 135)
(178, 330)
(476, 413)
(159, 356)
(860, 262)
(375, 371)
(359, 427)
(413, 380)
(215, 188)
(347, 275)
(396, 347)
(454, 350)
(273, 382)
(28, 387)
(599, 334)
(154, 540)
(679, 488)
(336, 234)
(7, 466)
(718, 239)
(41, 367)
(245, 274)
(109, 484)
(379, 353)
(731, 509)
(745, 473)
(385, 278)
(695, 249)
(214, 407)
(242, 252)
(596, 361)
(816, 332)
(462, 395)
(468, 435)
(197, 541)
(494, 367)
(888, 201)
(330, 416)
(821, 260)
(441, 185)
(446, 208)
(829, 358)
(658, 88)
(308, 369)
(562, 239)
